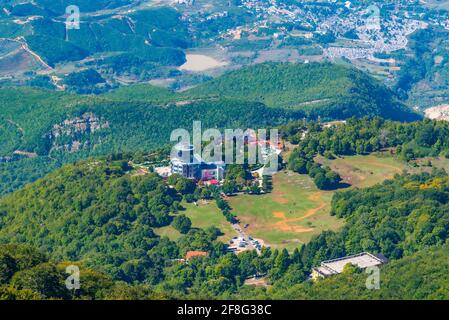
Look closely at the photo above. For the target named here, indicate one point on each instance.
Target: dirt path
(284, 224)
(26, 48)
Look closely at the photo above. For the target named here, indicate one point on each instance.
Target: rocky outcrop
(75, 134)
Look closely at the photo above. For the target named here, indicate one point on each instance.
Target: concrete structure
(191, 166)
(163, 172)
(186, 163)
(362, 260)
(212, 171)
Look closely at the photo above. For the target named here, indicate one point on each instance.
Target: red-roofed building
(194, 254)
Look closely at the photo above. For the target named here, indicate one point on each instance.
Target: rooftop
(362, 260)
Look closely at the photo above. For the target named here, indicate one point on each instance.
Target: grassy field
(365, 171)
(202, 216)
(294, 212)
(297, 210)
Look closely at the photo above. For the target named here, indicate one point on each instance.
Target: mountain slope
(45, 122)
(68, 127)
(92, 211)
(151, 36)
(322, 89)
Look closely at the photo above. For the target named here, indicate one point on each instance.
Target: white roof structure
(362, 260)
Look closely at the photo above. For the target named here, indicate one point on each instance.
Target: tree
(350, 269)
(182, 224)
(185, 186)
(8, 267)
(321, 181)
(173, 179)
(282, 261)
(267, 184)
(44, 279)
(254, 189)
(425, 136)
(229, 187)
(206, 194)
(190, 198)
(298, 165)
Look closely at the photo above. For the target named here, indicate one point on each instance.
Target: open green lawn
(202, 216)
(294, 212)
(168, 232)
(364, 171)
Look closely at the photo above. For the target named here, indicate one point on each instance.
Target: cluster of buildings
(188, 163)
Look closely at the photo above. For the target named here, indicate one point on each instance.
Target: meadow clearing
(204, 215)
(289, 216)
(297, 210)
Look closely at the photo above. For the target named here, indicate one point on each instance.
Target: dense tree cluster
(319, 89)
(421, 276)
(126, 126)
(361, 136)
(99, 213)
(396, 218)
(92, 210)
(366, 135)
(323, 177)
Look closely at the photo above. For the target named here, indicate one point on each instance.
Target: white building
(362, 260)
(190, 165)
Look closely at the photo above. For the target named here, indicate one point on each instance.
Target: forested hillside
(410, 141)
(421, 276)
(156, 35)
(141, 118)
(45, 122)
(69, 127)
(322, 90)
(91, 91)
(102, 217)
(396, 218)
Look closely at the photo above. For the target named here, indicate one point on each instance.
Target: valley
(162, 41)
